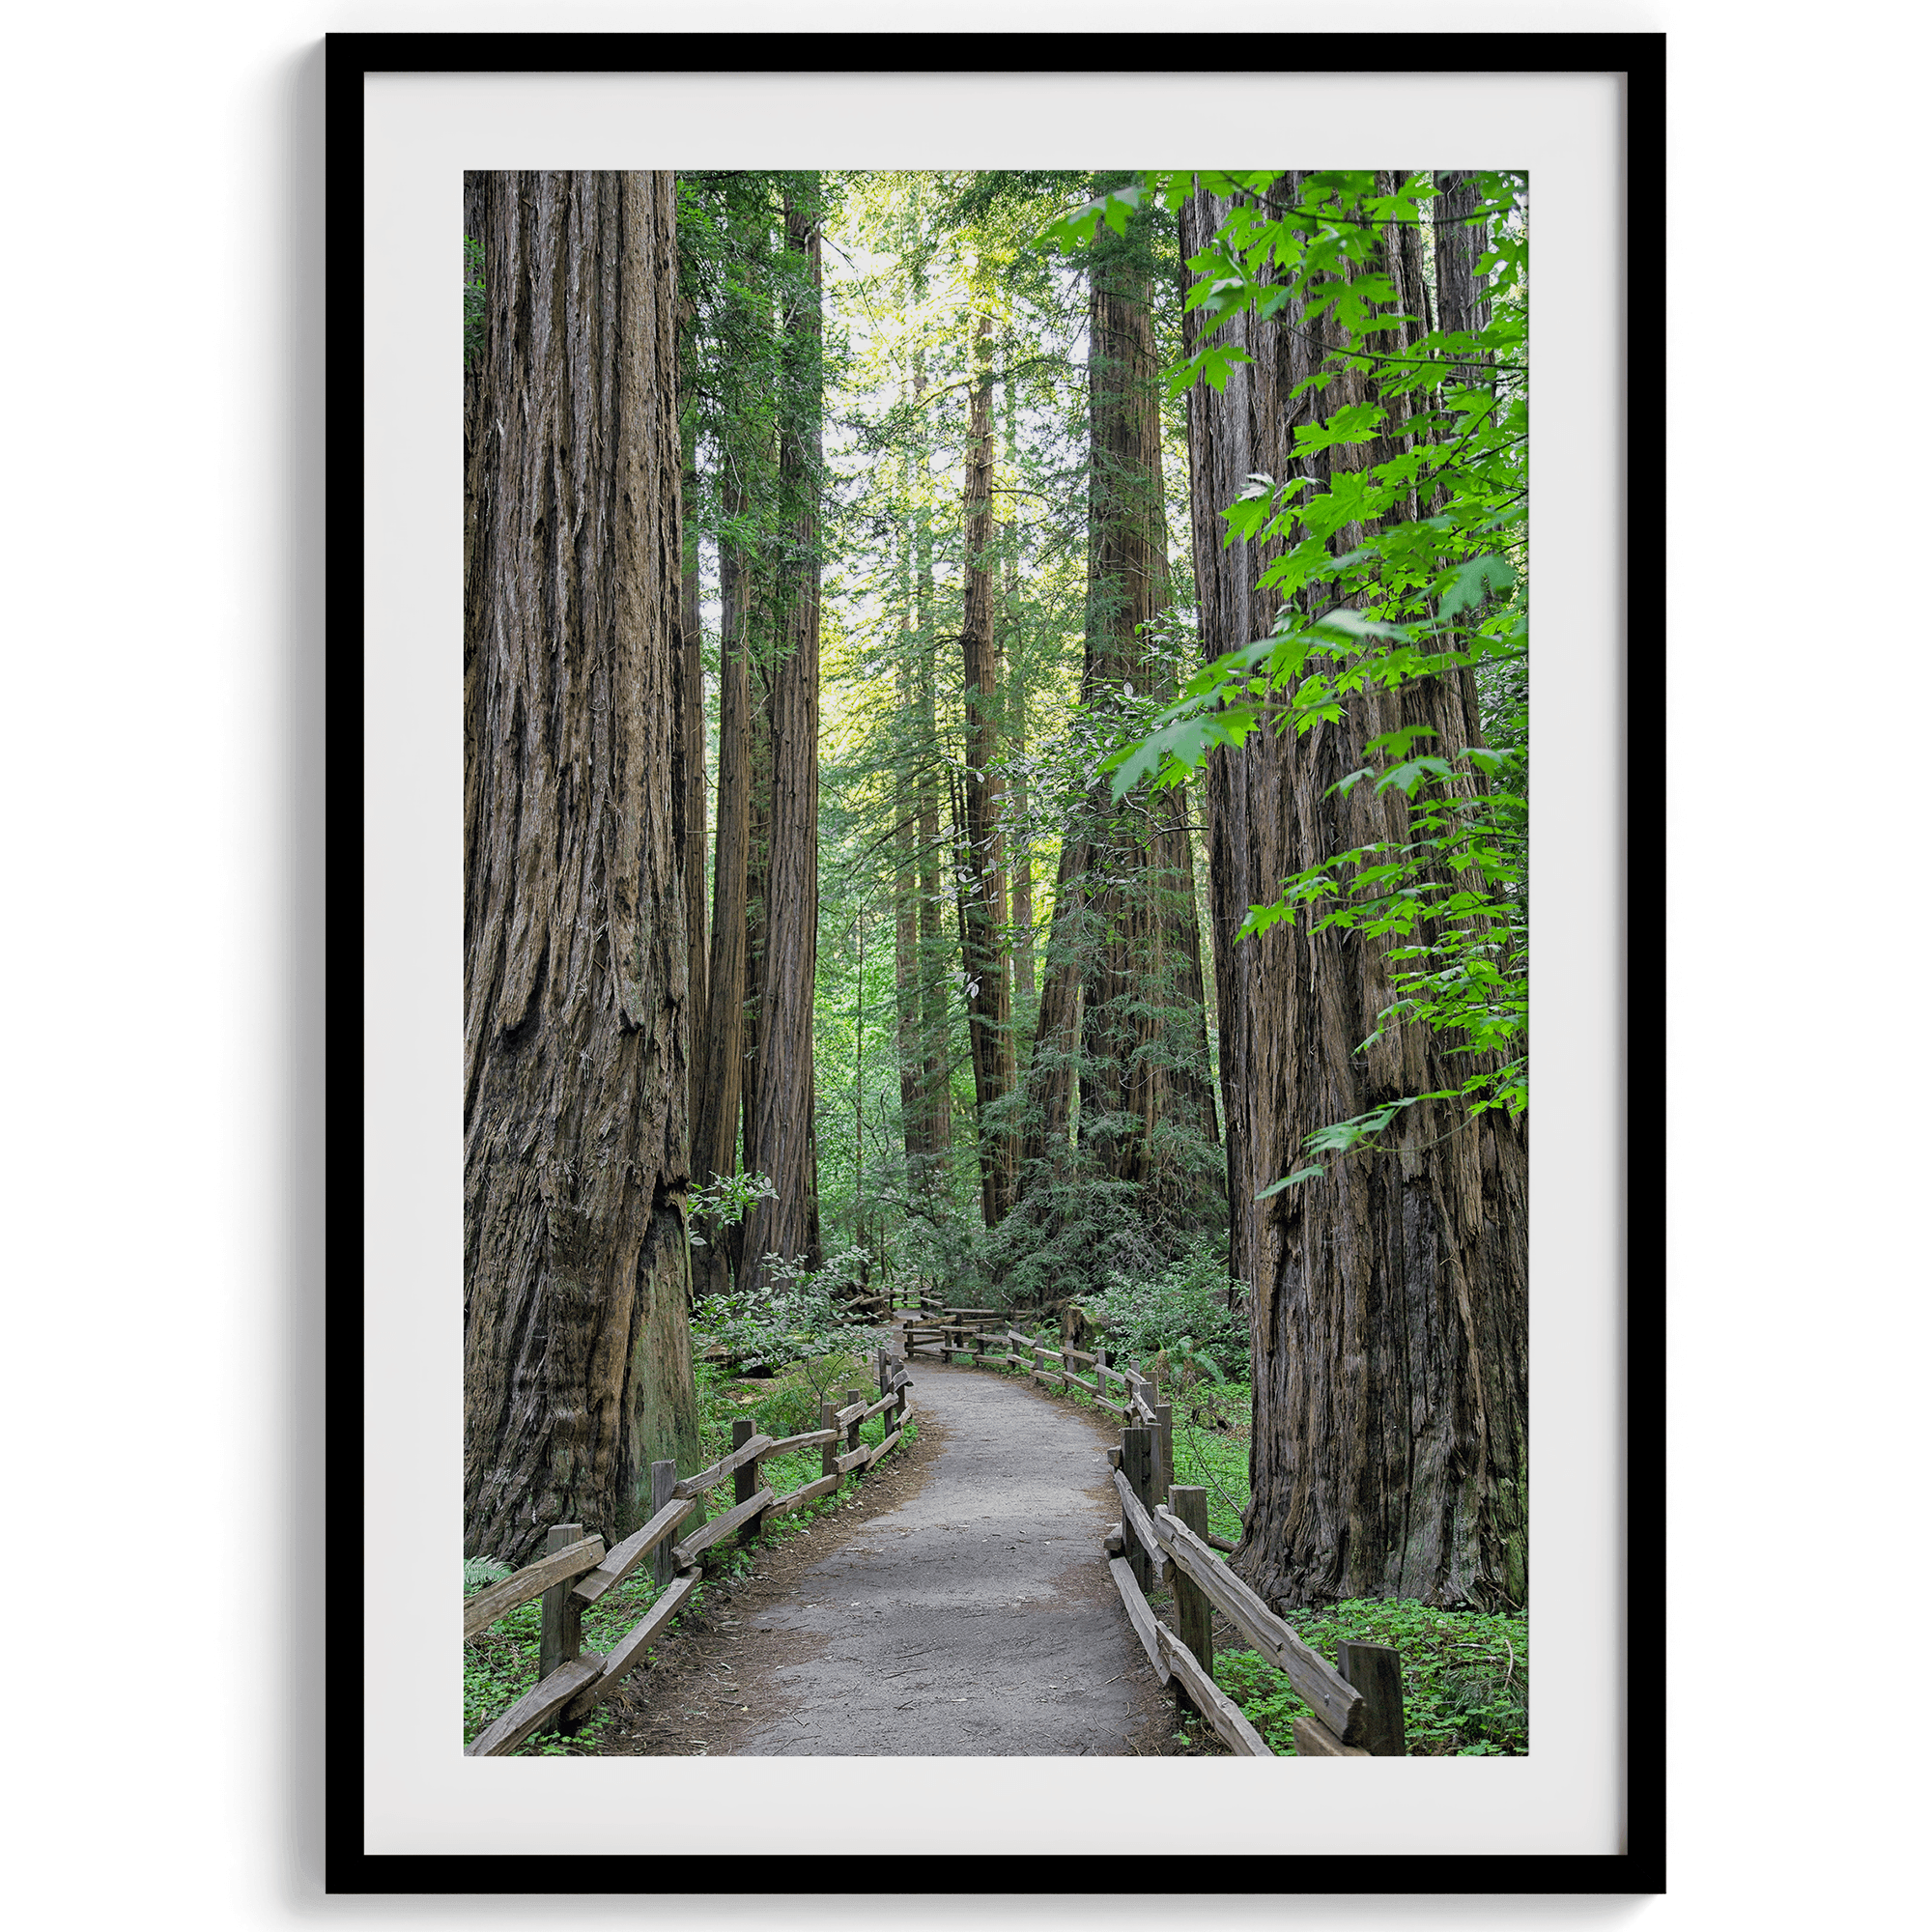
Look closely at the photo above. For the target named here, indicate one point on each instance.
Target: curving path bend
(972, 1615)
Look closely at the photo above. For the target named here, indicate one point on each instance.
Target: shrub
(1179, 1309)
(792, 1317)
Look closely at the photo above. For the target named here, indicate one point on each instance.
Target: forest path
(971, 1615)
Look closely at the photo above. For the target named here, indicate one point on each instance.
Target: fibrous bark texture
(1389, 1299)
(690, 790)
(780, 1141)
(577, 1369)
(1144, 1060)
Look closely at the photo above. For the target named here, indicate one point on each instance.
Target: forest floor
(960, 1605)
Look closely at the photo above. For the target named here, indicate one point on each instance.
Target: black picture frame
(1639, 59)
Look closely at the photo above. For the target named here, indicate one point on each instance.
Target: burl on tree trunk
(577, 1367)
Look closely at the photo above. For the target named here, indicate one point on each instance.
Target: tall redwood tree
(982, 912)
(576, 948)
(1120, 1009)
(779, 1140)
(1389, 1298)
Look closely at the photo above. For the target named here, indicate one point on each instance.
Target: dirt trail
(968, 1611)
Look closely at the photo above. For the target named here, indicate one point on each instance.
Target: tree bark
(715, 1129)
(1388, 1299)
(782, 1143)
(914, 1110)
(758, 876)
(935, 1005)
(1053, 1069)
(577, 1364)
(1125, 967)
(1016, 705)
(983, 895)
(1461, 295)
(690, 788)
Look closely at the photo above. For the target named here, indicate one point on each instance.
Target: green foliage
(1465, 1675)
(1211, 1425)
(916, 259)
(1436, 587)
(502, 1664)
(724, 1201)
(1180, 1309)
(754, 363)
(792, 1316)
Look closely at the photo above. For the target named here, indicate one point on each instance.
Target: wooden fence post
(852, 1427)
(1376, 1671)
(1163, 1425)
(745, 1480)
(663, 1480)
(562, 1634)
(1193, 1612)
(828, 1453)
(1193, 1609)
(1137, 1465)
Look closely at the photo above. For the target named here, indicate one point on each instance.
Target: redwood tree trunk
(691, 790)
(1053, 1068)
(1124, 976)
(1388, 1299)
(757, 868)
(577, 1365)
(715, 1109)
(913, 1111)
(983, 892)
(935, 1008)
(782, 1141)
(1021, 851)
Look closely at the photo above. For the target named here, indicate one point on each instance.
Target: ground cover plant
(500, 1665)
(1466, 1673)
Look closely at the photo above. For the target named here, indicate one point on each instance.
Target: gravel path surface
(969, 1614)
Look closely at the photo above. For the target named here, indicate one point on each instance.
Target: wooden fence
(1356, 1710)
(575, 1571)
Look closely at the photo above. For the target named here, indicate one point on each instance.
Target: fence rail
(1163, 1539)
(1356, 1710)
(576, 1569)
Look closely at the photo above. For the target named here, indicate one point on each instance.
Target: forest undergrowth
(1466, 1673)
(500, 1665)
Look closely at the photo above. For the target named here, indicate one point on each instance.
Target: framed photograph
(999, 388)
